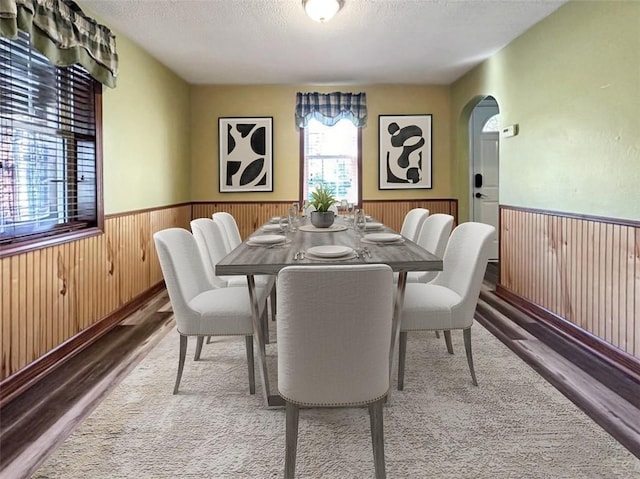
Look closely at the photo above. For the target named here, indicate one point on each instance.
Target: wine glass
(350, 207)
(360, 221)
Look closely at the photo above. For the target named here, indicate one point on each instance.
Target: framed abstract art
(404, 152)
(246, 154)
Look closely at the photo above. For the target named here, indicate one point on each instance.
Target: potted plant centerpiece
(322, 199)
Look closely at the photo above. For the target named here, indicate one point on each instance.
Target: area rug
(514, 425)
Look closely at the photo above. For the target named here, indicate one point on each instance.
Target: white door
(485, 143)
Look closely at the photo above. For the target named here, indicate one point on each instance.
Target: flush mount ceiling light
(322, 10)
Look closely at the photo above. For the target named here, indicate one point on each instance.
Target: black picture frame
(245, 155)
(405, 152)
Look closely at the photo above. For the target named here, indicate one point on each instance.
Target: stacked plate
(383, 238)
(266, 240)
(374, 225)
(271, 227)
(330, 252)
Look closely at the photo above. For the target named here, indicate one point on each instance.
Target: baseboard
(38, 369)
(622, 364)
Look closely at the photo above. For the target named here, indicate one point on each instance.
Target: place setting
(383, 239)
(268, 241)
(373, 225)
(272, 227)
(328, 253)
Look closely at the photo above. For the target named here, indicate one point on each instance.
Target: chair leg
(437, 334)
(467, 347)
(292, 414)
(208, 339)
(265, 324)
(402, 353)
(252, 371)
(447, 340)
(377, 437)
(273, 300)
(196, 357)
(181, 358)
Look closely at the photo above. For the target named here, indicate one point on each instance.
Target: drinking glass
(360, 221)
(284, 224)
(344, 206)
(292, 217)
(350, 207)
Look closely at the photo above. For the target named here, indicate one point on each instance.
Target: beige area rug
(514, 425)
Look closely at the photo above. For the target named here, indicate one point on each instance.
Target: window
(491, 124)
(331, 156)
(50, 173)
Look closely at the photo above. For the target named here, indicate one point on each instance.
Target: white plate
(272, 228)
(330, 251)
(382, 237)
(267, 239)
(275, 219)
(374, 226)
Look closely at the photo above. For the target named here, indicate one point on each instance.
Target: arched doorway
(484, 141)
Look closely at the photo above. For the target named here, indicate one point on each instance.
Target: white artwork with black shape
(404, 151)
(246, 154)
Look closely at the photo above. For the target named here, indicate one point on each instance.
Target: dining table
(269, 249)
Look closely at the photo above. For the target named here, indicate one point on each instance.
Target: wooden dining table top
(251, 260)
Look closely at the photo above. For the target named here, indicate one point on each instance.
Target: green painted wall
(146, 134)
(213, 101)
(572, 83)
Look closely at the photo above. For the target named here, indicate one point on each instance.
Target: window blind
(48, 152)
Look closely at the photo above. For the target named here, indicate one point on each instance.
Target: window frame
(302, 179)
(65, 233)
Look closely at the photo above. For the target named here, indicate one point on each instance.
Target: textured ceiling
(274, 42)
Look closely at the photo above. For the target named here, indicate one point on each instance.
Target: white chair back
(464, 264)
(412, 223)
(212, 246)
(184, 273)
(334, 333)
(230, 229)
(433, 237)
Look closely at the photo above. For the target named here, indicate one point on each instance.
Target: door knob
(479, 195)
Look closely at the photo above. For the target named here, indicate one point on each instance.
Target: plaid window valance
(329, 108)
(64, 34)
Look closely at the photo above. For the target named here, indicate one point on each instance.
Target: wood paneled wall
(50, 295)
(251, 215)
(583, 270)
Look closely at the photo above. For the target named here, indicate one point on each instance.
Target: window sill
(36, 244)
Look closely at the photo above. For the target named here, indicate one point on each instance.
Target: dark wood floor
(36, 422)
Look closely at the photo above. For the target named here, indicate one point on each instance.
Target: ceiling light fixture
(322, 10)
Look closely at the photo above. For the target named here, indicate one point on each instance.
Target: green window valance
(64, 34)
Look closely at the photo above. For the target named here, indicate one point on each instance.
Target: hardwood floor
(37, 421)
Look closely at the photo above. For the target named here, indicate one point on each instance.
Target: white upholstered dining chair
(334, 334)
(433, 237)
(201, 309)
(209, 236)
(230, 229)
(449, 301)
(413, 222)
(231, 240)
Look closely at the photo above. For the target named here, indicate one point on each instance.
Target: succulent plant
(322, 198)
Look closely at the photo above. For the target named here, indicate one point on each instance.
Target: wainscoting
(251, 215)
(51, 295)
(57, 300)
(580, 274)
